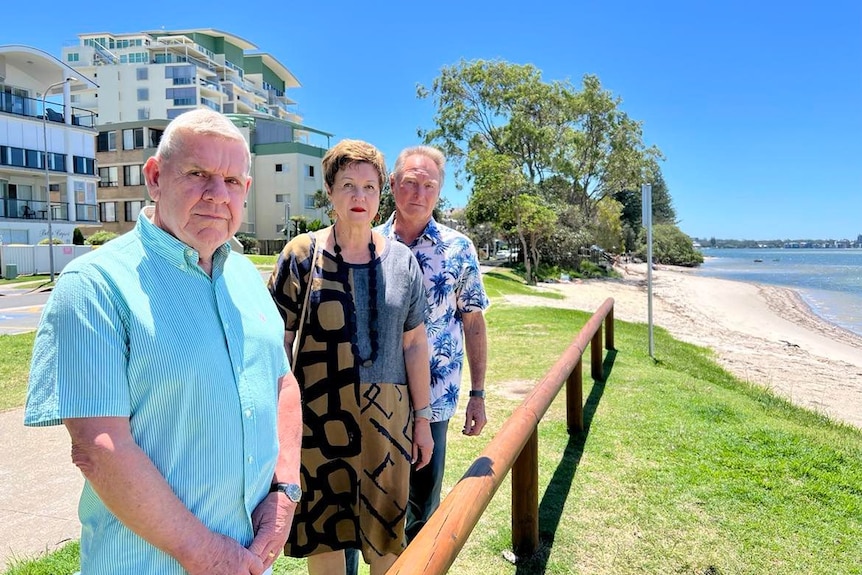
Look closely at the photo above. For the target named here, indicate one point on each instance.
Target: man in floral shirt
(456, 300)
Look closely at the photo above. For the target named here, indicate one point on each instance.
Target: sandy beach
(763, 334)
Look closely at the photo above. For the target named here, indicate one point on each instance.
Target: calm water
(829, 280)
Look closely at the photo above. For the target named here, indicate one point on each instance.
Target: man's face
(416, 188)
(200, 191)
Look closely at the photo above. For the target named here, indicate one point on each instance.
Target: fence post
(609, 327)
(525, 498)
(596, 367)
(575, 399)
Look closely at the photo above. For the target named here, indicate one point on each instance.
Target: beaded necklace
(372, 295)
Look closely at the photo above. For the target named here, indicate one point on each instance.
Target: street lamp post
(287, 220)
(47, 174)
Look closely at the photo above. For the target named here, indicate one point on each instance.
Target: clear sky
(757, 105)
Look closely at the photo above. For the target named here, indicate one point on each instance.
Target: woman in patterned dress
(363, 370)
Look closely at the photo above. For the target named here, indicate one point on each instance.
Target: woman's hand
(423, 443)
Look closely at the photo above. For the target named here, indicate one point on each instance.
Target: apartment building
(286, 173)
(145, 79)
(39, 122)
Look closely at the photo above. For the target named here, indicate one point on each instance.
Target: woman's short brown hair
(348, 152)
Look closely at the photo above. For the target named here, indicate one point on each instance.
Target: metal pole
(47, 174)
(646, 200)
(287, 220)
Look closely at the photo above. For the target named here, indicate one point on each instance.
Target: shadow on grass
(553, 502)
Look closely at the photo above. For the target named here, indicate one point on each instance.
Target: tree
(77, 237)
(670, 246)
(514, 135)
(601, 149)
(492, 121)
(608, 228)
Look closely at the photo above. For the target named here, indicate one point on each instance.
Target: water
(829, 280)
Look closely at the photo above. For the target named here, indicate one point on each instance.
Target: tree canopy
(544, 157)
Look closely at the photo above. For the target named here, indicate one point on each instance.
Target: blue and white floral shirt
(453, 284)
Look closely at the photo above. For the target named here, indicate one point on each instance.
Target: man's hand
(476, 419)
(271, 521)
(423, 442)
(223, 556)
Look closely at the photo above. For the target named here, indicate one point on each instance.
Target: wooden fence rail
(515, 447)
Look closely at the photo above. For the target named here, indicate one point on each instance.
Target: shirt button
(251, 459)
(248, 413)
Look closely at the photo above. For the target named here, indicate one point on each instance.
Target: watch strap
(477, 393)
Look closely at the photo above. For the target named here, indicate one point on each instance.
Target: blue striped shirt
(136, 329)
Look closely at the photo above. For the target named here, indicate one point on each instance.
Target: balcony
(32, 108)
(37, 211)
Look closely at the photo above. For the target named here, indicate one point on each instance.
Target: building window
(132, 176)
(133, 139)
(282, 198)
(143, 113)
(309, 171)
(73, 57)
(106, 142)
(143, 94)
(142, 73)
(82, 165)
(309, 202)
(155, 137)
(108, 211)
(133, 208)
(57, 162)
(279, 167)
(109, 177)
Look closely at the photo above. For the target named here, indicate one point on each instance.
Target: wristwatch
(292, 490)
(477, 393)
(425, 413)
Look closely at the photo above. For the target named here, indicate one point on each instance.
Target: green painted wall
(255, 65)
(289, 148)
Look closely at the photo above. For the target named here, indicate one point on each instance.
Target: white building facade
(145, 78)
(32, 122)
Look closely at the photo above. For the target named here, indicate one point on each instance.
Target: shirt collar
(430, 233)
(173, 250)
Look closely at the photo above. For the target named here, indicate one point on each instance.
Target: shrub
(670, 246)
(78, 237)
(100, 238)
(44, 241)
(249, 243)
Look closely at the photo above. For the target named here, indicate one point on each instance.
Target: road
(20, 307)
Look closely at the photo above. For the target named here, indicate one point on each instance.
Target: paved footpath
(39, 489)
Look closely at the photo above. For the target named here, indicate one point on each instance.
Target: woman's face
(355, 194)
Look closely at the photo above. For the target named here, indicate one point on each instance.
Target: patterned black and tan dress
(357, 421)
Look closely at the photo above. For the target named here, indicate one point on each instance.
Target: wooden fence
(515, 446)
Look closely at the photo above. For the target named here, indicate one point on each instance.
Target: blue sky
(757, 106)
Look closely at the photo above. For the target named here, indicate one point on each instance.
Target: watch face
(293, 492)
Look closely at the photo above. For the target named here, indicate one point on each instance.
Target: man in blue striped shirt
(162, 354)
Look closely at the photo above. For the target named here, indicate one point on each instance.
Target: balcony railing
(37, 210)
(53, 112)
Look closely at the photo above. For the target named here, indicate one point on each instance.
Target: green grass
(261, 260)
(15, 352)
(504, 281)
(28, 278)
(683, 468)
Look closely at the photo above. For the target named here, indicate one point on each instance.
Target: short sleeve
(471, 295)
(287, 282)
(80, 356)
